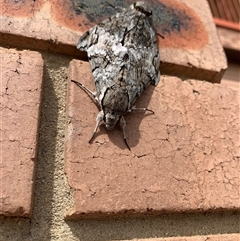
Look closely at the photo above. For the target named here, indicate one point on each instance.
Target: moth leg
(123, 125)
(134, 108)
(98, 121)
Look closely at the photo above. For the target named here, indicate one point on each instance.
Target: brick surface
(185, 157)
(21, 80)
(189, 44)
(220, 237)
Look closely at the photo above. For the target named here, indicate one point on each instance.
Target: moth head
(111, 120)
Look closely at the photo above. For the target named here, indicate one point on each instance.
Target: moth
(124, 58)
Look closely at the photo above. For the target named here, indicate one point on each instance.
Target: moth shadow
(133, 121)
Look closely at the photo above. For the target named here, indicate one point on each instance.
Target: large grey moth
(124, 58)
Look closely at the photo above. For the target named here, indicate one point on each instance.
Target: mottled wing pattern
(123, 49)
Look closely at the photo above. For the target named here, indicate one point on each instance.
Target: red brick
(22, 73)
(220, 237)
(191, 50)
(185, 157)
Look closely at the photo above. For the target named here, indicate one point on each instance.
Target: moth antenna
(92, 94)
(123, 125)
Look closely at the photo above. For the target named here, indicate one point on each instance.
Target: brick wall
(181, 177)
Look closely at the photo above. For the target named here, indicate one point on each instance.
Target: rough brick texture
(185, 157)
(223, 237)
(21, 80)
(188, 40)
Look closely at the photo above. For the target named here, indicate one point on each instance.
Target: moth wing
(83, 41)
(153, 64)
(115, 25)
(107, 45)
(88, 39)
